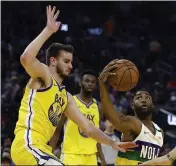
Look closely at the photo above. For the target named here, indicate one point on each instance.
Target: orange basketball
(126, 77)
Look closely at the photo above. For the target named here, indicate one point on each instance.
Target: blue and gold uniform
(39, 114)
(77, 148)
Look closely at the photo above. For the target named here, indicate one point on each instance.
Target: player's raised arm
(72, 112)
(121, 122)
(28, 59)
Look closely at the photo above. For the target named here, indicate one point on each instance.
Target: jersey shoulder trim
(47, 88)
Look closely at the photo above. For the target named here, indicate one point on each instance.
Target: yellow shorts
(79, 159)
(123, 161)
(25, 154)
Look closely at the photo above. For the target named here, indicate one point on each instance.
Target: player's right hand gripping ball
(127, 76)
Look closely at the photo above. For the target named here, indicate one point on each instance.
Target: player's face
(88, 83)
(143, 104)
(64, 64)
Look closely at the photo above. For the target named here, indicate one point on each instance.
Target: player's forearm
(96, 134)
(107, 104)
(55, 138)
(108, 107)
(33, 48)
(53, 142)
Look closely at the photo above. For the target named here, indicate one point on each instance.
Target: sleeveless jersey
(38, 117)
(149, 147)
(75, 141)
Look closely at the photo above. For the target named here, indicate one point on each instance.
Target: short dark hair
(54, 50)
(88, 71)
(143, 89)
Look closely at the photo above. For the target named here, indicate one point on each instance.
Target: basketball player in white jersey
(138, 128)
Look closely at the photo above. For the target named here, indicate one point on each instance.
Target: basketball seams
(121, 79)
(117, 81)
(137, 73)
(132, 64)
(130, 73)
(130, 79)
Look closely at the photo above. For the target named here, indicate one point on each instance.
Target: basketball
(126, 77)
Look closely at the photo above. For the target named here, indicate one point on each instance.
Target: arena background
(143, 32)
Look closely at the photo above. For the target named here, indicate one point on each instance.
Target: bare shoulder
(70, 98)
(128, 118)
(69, 94)
(135, 123)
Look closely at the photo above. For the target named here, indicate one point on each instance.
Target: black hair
(143, 89)
(88, 71)
(54, 50)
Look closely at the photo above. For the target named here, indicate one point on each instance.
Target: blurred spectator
(5, 161)
(172, 100)
(171, 85)
(109, 153)
(7, 142)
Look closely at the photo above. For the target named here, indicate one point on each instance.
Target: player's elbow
(25, 59)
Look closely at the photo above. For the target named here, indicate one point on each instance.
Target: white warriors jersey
(149, 147)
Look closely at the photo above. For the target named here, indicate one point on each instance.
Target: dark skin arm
(120, 121)
(100, 154)
(55, 138)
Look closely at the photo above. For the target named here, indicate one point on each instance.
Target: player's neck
(56, 76)
(85, 97)
(147, 121)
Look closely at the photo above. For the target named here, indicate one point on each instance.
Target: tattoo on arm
(122, 119)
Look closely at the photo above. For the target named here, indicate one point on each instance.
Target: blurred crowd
(143, 32)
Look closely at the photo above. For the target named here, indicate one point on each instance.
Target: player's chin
(89, 90)
(144, 109)
(67, 74)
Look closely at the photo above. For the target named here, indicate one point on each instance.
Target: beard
(60, 72)
(86, 92)
(143, 114)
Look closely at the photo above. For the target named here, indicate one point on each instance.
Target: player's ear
(53, 61)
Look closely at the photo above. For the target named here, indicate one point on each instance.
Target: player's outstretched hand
(107, 71)
(52, 16)
(124, 146)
